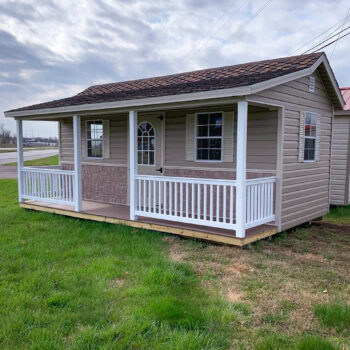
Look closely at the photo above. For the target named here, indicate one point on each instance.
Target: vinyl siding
(118, 140)
(261, 142)
(305, 186)
(340, 159)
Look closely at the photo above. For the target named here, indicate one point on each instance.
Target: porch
(119, 214)
(236, 209)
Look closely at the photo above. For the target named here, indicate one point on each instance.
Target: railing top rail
(45, 170)
(187, 180)
(262, 180)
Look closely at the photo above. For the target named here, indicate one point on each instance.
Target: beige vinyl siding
(340, 160)
(261, 142)
(117, 134)
(305, 186)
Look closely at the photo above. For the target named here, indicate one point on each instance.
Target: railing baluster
(175, 198)
(211, 200)
(165, 198)
(192, 201)
(170, 198)
(205, 202)
(224, 204)
(159, 197)
(217, 203)
(231, 204)
(187, 213)
(181, 199)
(198, 201)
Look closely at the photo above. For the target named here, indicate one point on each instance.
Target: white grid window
(145, 144)
(310, 137)
(209, 136)
(94, 138)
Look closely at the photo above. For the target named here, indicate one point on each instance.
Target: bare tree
(5, 136)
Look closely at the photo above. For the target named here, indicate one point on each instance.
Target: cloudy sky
(54, 49)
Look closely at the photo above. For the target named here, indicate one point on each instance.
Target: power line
(337, 25)
(201, 46)
(244, 23)
(225, 12)
(325, 40)
(333, 42)
(347, 15)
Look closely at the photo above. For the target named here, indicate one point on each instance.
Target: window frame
(87, 139)
(316, 116)
(209, 137)
(155, 142)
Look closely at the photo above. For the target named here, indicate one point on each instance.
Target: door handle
(160, 170)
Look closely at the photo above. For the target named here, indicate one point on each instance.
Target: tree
(5, 136)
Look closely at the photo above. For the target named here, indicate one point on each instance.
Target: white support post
(241, 165)
(19, 131)
(132, 162)
(77, 163)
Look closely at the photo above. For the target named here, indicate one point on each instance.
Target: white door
(150, 145)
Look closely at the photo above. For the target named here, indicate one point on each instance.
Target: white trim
(77, 163)
(86, 139)
(132, 162)
(221, 93)
(241, 164)
(19, 132)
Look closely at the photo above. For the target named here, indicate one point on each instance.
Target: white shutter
(190, 137)
(83, 139)
(228, 134)
(301, 137)
(106, 143)
(318, 136)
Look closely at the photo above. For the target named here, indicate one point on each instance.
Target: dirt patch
(176, 249)
(117, 282)
(234, 296)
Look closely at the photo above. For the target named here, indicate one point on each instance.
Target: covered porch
(235, 211)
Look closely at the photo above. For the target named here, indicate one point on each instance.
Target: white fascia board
(221, 93)
(323, 59)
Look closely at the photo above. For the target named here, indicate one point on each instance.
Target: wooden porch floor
(119, 214)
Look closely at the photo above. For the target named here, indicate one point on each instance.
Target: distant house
(230, 154)
(340, 190)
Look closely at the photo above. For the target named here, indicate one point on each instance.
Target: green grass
(334, 315)
(53, 160)
(338, 215)
(67, 283)
(73, 284)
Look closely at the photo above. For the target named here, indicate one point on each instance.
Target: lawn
(53, 160)
(73, 284)
(338, 215)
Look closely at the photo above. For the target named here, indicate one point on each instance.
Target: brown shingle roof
(202, 80)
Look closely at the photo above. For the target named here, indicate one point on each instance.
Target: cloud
(51, 49)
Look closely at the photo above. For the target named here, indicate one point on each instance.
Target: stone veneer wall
(108, 184)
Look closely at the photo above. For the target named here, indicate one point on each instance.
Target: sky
(55, 49)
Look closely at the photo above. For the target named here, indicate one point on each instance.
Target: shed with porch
(230, 154)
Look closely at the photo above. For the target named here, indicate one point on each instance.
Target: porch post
(241, 164)
(132, 162)
(19, 132)
(77, 162)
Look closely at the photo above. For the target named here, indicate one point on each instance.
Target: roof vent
(311, 84)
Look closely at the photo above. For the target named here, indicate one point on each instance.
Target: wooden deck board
(119, 214)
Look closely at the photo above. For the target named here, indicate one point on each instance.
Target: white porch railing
(190, 200)
(208, 202)
(48, 185)
(260, 201)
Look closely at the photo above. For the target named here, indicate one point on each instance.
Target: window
(145, 144)
(209, 136)
(94, 138)
(310, 136)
